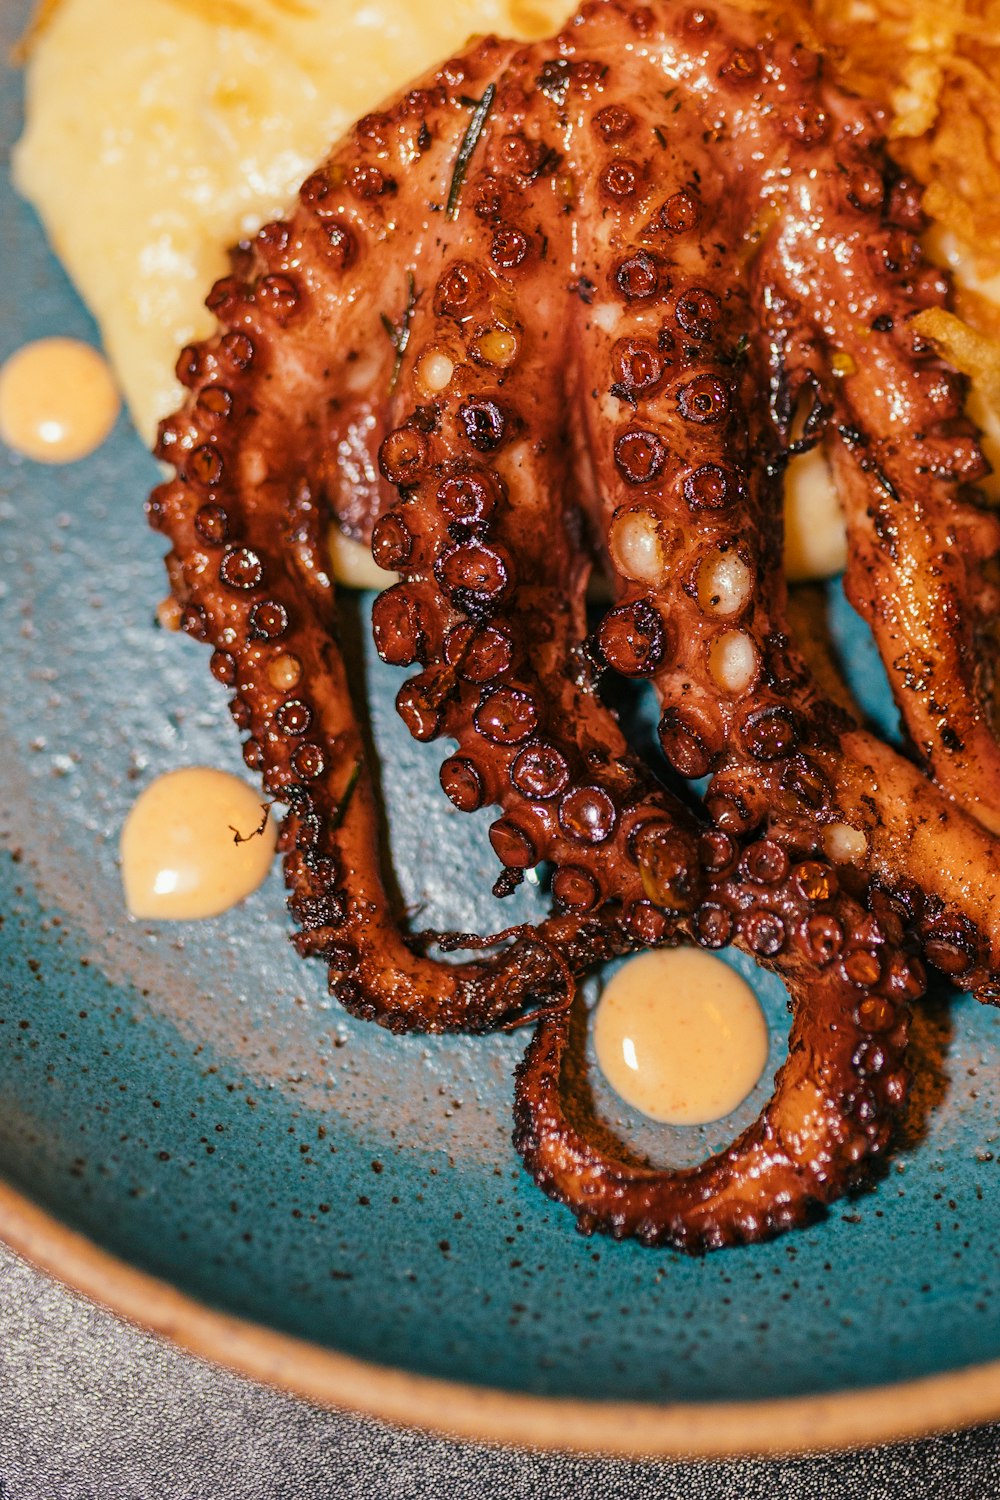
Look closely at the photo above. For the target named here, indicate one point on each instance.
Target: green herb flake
(398, 334)
(349, 790)
(470, 141)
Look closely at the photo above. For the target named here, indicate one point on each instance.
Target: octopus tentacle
(247, 517)
(686, 434)
(486, 536)
(919, 553)
(271, 640)
(831, 1112)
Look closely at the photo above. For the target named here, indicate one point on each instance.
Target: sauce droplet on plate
(180, 857)
(58, 400)
(680, 1036)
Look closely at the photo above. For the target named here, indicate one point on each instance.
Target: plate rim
(768, 1428)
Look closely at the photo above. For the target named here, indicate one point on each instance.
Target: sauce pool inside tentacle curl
(680, 1036)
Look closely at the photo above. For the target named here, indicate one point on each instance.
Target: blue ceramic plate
(323, 1204)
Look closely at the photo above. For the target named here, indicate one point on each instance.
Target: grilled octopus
(573, 306)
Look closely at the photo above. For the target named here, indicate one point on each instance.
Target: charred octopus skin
(589, 296)
(773, 315)
(255, 490)
(834, 1097)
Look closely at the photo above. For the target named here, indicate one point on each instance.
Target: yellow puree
(179, 855)
(58, 400)
(680, 1036)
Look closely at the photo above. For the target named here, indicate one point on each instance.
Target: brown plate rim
(767, 1428)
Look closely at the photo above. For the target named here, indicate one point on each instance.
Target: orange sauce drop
(353, 564)
(180, 859)
(58, 400)
(680, 1036)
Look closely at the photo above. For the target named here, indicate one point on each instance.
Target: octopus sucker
(571, 308)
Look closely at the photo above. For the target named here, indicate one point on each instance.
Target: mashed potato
(161, 131)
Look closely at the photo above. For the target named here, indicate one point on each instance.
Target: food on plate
(196, 841)
(679, 1035)
(589, 296)
(160, 132)
(58, 400)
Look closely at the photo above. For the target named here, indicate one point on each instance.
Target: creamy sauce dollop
(680, 1036)
(58, 400)
(180, 857)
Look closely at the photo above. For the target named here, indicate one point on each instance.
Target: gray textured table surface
(91, 1409)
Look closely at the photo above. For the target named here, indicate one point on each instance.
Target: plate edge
(451, 1409)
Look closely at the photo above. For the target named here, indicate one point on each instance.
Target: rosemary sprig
(345, 801)
(399, 333)
(470, 141)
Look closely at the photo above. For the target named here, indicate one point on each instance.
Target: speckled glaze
(188, 1096)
